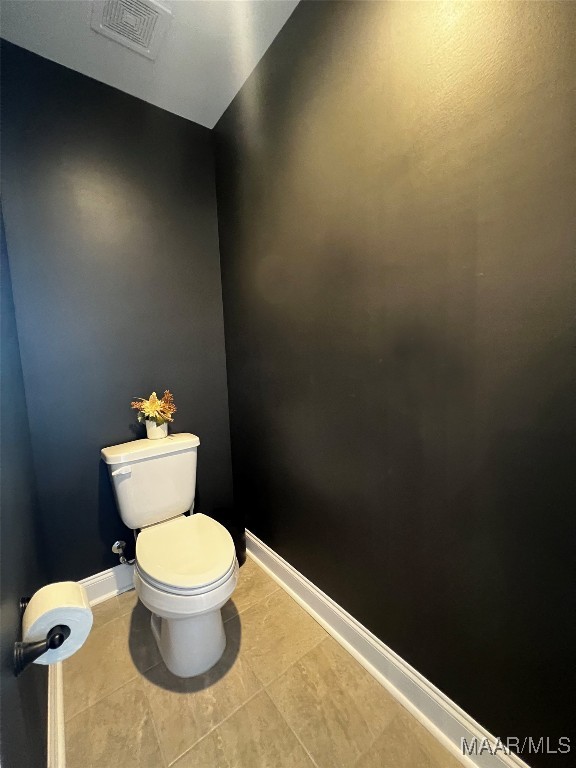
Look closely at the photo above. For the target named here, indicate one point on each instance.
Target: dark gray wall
(23, 704)
(396, 190)
(110, 217)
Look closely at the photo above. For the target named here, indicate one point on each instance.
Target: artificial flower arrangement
(157, 410)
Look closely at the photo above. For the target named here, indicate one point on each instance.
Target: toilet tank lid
(136, 450)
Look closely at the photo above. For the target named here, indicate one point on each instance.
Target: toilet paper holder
(26, 653)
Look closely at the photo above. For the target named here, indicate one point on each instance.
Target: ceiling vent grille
(137, 24)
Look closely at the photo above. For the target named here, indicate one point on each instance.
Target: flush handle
(122, 471)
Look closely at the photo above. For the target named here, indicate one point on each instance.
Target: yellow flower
(154, 409)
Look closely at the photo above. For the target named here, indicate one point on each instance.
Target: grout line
(97, 701)
(262, 689)
(118, 614)
(137, 674)
(293, 663)
(373, 736)
(154, 725)
(105, 624)
(92, 703)
(256, 602)
(277, 586)
(263, 686)
(293, 732)
(215, 727)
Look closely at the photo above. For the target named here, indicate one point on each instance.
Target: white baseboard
(107, 584)
(56, 741)
(441, 716)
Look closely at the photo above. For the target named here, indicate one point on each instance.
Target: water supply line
(118, 548)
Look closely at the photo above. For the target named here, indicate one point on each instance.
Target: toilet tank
(153, 480)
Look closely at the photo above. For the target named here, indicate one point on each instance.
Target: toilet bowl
(186, 570)
(186, 566)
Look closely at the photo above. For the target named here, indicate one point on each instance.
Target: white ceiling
(208, 52)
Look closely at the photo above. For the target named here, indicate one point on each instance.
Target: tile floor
(284, 695)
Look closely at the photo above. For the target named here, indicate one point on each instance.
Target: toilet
(186, 566)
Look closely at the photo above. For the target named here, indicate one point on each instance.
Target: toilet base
(192, 645)
(188, 629)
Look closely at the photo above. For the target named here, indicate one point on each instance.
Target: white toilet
(186, 566)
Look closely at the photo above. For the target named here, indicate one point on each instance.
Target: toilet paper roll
(64, 602)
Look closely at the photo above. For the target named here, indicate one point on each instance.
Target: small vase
(155, 431)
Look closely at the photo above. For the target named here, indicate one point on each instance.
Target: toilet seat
(172, 590)
(186, 555)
